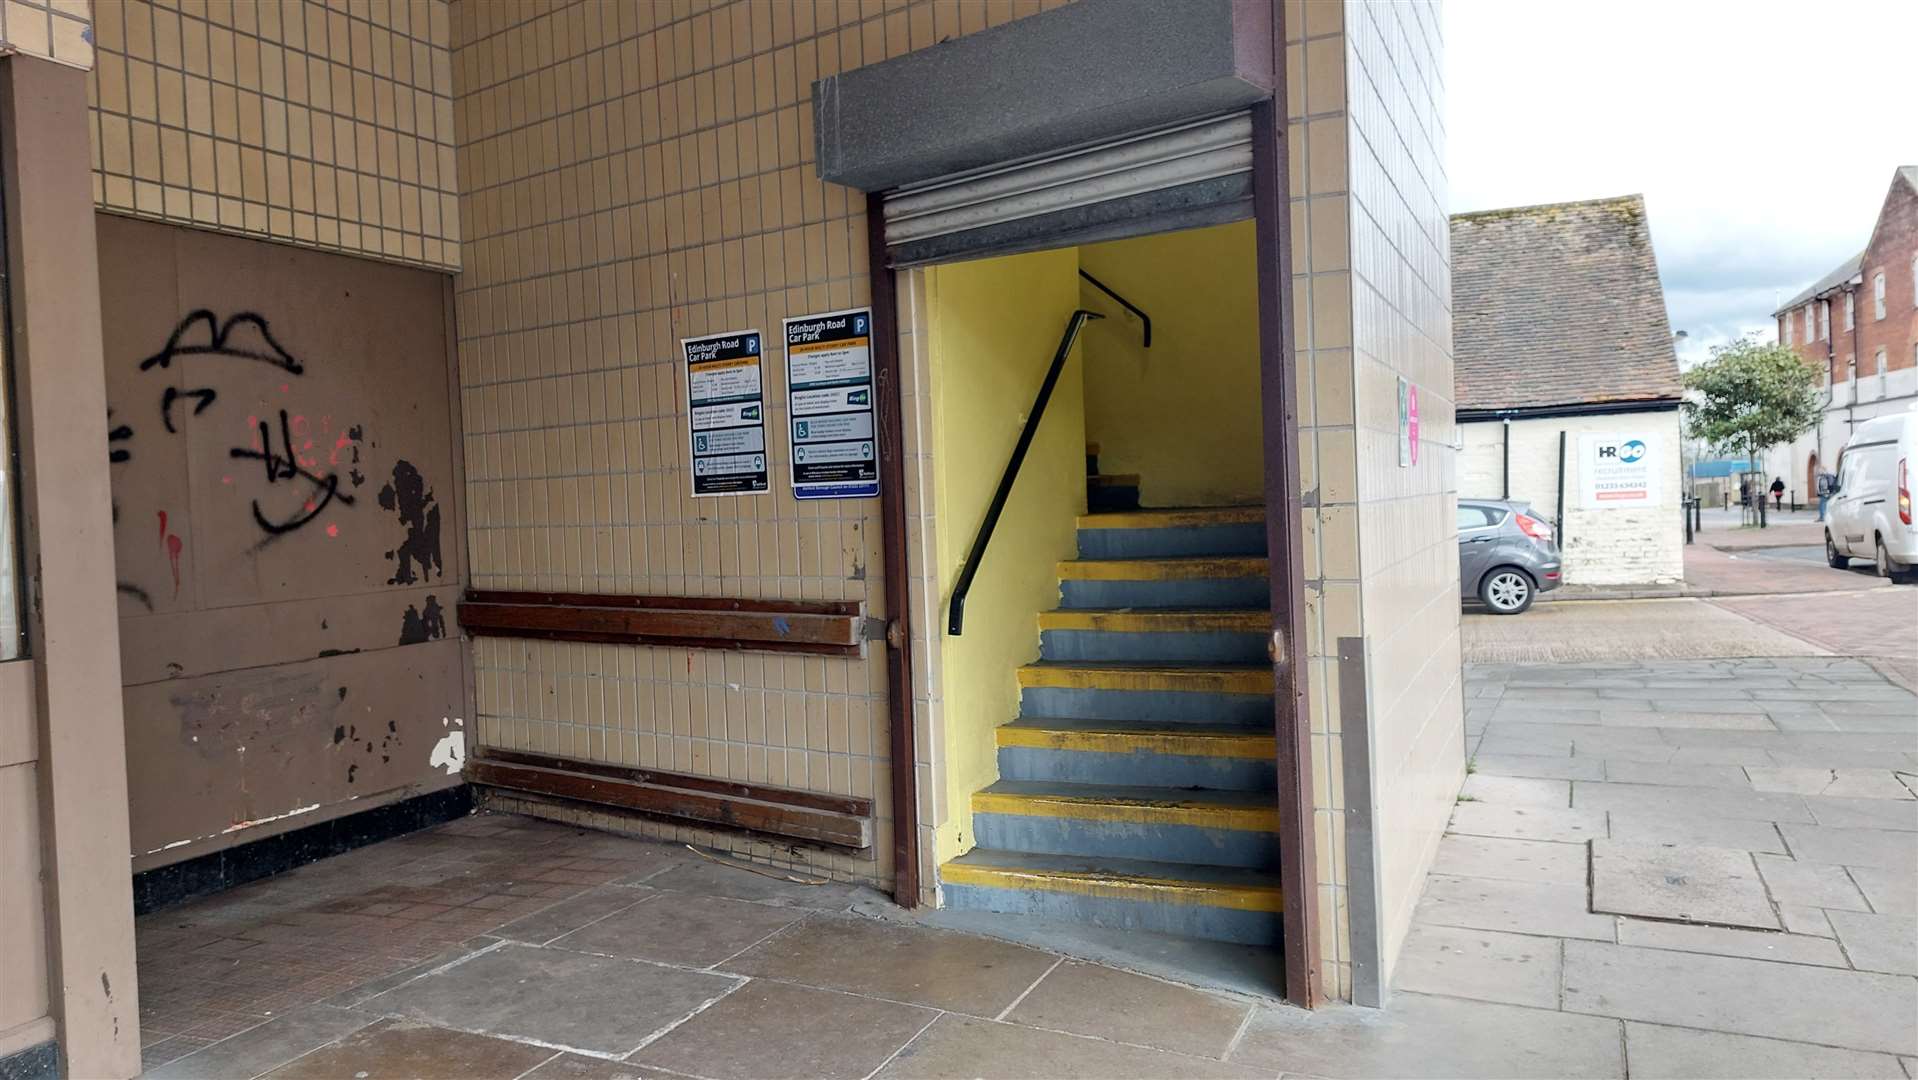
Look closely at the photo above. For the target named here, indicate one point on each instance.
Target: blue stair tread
(1123, 868)
(1120, 793)
(1137, 727)
(1148, 665)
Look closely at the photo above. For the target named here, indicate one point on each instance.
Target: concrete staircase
(1137, 783)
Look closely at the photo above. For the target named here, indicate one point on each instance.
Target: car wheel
(1832, 557)
(1507, 591)
(1887, 568)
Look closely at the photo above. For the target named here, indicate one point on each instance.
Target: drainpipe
(1560, 523)
(1505, 483)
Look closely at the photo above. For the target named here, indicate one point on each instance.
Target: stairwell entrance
(1094, 582)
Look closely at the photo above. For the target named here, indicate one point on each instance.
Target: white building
(1567, 382)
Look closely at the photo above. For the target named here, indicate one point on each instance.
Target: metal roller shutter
(1192, 174)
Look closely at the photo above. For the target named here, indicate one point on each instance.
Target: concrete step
(1222, 694)
(1207, 827)
(1130, 634)
(1218, 903)
(1111, 491)
(1138, 753)
(1236, 581)
(1145, 534)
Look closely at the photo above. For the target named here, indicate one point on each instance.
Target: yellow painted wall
(1184, 414)
(994, 327)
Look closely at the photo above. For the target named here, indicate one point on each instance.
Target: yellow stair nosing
(1251, 746)
(1116, 886)
(1186, 517)
(1202, 680)
(1239, 817)
(1187, 568)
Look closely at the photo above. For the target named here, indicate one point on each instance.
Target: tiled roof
(1559, 305)
(1845, 272)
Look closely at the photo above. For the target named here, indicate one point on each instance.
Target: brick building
(1562, 352)
(1859, 325)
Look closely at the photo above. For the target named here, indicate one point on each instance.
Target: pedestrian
(1744, 493)
(1778, 493)
(1825, 481)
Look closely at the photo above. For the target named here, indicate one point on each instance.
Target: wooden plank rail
(814, 817)
(828, 628)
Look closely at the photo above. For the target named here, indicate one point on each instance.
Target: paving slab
(1086, 999)
(1886, 849)
(1686, 883)
(961, 1048)
(1557, 823)
(1701, 721)
(1900, 815)
(1437, 1037)
(688, 934)
(399, 1050)
(1484, 965)
(1688, 802)
(1721, 755)
(1669, 1053)
(566, 1066)
(1809, 884)
(1543, 767)
(775, 1029)
(1887, 943)
(724, 878)
(1889, 891)
(1837, 783)
(1511, 906)
(267, 1046)
(1675, 774)
(1808, 921)
(569, 915)
(944, 970)
(1746, 835)
(566, 1000)
(1790, 948)
(1852, 1009)
(1516, 791)
(1537, 861)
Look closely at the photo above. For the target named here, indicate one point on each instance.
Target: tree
(1751, 396)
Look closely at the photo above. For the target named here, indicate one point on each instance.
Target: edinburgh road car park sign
(725, 395)
(829, 398)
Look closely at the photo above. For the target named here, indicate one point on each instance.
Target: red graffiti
(332, 530)
(173, 546)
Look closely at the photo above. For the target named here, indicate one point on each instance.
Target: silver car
(1506, 554)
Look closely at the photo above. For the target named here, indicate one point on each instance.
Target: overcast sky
(1763, 135)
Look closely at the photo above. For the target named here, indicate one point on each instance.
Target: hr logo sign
(1627, 453)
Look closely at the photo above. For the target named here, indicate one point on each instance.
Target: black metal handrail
(1124, 303)
(956, 620)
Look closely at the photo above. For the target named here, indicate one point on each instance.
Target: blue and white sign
(1618, 471)
(829, 398)
(726, 414)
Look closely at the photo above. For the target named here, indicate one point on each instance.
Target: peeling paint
(449, 753)
(238, 825)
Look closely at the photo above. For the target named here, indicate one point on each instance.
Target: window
(1914, 281)
(1850, 297)
(1786, 335)
(1881, 363)
(1824, 320)
(1878, 295)
(1475, 517)
(11, 629)
(1811, 326)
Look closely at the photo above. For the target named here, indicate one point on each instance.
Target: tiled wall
(1407, 562)
(633, 174)
(316, 122)
(1322, 338)
(50, 29)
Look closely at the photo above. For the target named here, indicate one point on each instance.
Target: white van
(1870, 512)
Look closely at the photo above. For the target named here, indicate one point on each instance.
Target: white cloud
(1762, 134)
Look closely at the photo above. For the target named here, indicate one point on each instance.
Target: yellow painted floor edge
(1175, 569)
(1207, 744)
(1117, 886)
(1250, 680)
(1145, 621)
(1195, 815)
(1187, 517)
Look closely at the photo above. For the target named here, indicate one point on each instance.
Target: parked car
(1506, 555)
(1869, 516)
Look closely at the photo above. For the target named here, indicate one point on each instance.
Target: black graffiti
(412, 500)
(417, 625)
(136, 593)
(120, 433)
(219, 341)
(205, 394)
(325, 488)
